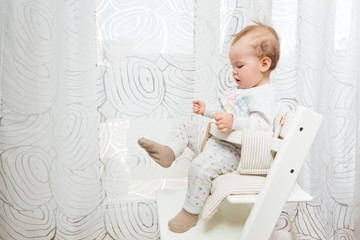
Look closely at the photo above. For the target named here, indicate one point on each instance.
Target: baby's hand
(198, 107)
(224, 121)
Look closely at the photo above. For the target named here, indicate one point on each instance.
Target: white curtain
(49, 174)
(82, 80)
(321, 55)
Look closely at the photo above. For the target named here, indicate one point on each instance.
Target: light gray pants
(217, 158)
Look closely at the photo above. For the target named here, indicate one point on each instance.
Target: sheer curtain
(49, 174)
(328, 45)
(82, 80)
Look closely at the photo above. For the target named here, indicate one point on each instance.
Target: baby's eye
(240, 66)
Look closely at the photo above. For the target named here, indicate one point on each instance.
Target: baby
(253, 103)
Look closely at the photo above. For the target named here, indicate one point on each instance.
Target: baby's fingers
(220, 126)
(218, 123)
(224, 130)
(218, 116)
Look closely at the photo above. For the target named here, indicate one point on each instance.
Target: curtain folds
(328, 48)
(82, 80)
(49, 174)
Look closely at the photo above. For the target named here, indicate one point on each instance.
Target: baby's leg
(216, 159)
(190, 134)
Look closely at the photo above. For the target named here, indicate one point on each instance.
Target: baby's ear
(265, 64)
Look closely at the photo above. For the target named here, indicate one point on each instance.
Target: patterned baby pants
(216, 159)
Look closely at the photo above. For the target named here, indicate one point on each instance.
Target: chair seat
(229, 219)
(297, 195)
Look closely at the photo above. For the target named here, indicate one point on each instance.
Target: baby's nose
(234, 72)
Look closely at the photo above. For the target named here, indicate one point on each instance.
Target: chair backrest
(279, 121)
(298, 133)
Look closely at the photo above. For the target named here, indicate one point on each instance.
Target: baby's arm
(198, 107)
(224, 121)
(207, 110)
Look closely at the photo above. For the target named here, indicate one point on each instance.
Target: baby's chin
(241, 86)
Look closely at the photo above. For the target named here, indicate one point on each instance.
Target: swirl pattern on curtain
(82, 80)
(49, 170)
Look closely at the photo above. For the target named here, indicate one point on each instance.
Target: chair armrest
(236, 137)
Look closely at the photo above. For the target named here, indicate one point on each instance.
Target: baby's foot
(183, 221)
(161, 154)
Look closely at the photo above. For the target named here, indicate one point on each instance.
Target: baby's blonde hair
(265, 41)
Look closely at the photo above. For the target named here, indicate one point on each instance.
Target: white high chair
(252, 216)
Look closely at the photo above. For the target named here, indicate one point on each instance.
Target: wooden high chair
(252, 216)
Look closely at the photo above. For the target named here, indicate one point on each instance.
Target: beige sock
(183, 221)
(161, 154)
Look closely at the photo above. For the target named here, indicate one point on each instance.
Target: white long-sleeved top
(254, 108)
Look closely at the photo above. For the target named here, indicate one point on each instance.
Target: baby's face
(246, 66)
